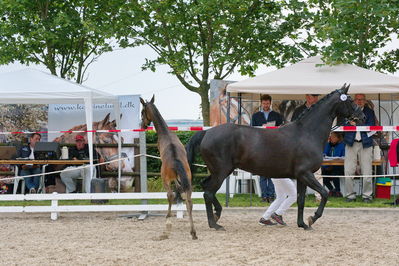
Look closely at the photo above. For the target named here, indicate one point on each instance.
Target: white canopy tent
(311, 76)
(30, 86)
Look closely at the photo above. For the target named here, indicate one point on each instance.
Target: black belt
(358, 140)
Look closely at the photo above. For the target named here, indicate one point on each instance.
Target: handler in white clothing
(286, 195)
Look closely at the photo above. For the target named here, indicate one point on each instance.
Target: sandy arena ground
(339, 237)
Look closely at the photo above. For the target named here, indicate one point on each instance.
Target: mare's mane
(320, 102)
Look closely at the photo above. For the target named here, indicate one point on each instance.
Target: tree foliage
(358, 32)
(209, 39)
(64, 35)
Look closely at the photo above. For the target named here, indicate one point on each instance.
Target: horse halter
(145, 121)
(353, 117)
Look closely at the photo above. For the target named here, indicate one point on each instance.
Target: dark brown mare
(174, 162)
(291, 151)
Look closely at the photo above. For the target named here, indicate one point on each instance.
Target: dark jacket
(82, 154)
(349, 137)
(337, 150)
(24, 151)
(258, 118)
(299, 110)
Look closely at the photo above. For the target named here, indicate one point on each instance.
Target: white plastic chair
(243, 175)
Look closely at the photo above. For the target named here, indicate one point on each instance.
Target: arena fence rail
(55, 209)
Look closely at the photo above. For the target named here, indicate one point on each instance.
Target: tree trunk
(203, 92)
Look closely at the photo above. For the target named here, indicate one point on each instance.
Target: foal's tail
(192, 147)
(185, 183)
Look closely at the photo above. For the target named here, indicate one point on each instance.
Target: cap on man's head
(79, 137)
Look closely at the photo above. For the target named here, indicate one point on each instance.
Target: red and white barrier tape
(341, 129)
(103, 130)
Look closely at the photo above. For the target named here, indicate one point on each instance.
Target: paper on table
(328, 158)
(270, 124)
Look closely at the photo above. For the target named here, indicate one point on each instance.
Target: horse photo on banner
(64, 117)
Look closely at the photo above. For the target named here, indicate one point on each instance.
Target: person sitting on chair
(79, 152)
(263, 118)
(334, 148)
(27, 152)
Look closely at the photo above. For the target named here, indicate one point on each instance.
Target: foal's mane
(157, 115)
(322, 100)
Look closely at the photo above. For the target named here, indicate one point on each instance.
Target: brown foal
(174, 162)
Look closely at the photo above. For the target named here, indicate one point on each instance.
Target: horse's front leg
(312, 182)
(301, 204)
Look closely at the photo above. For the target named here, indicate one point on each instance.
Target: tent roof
(30, 86)
(307, 77)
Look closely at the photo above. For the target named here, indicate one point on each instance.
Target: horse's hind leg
(189, 206)
(168, 223)
(211, 186)
(301, 204)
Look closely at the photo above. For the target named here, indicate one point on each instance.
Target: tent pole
(118, 126)
(89, 122)
(228, 178)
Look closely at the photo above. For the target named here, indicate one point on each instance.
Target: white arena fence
(55, 209)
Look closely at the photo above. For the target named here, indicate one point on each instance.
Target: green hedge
(154, 165)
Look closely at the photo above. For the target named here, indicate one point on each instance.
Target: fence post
(143, 171)
(54, 204)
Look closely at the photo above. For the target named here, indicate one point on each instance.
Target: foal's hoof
(194, 237)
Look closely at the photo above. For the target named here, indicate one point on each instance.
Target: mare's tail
(192, 147)
(181, 172)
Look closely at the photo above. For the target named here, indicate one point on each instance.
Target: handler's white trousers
(285, 196)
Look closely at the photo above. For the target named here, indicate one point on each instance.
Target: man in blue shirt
(266, 116)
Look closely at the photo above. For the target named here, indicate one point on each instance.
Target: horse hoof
(194, 237)
(308, 228)
(310, 221)
(219, 228)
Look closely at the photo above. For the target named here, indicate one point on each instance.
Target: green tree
(358, 32)
(64, 35)
(209, 39)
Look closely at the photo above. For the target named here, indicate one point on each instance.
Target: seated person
(334, 148)
(27, 152)
(79, 152)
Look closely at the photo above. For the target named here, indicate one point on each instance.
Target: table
(340, 162)
(40, 162)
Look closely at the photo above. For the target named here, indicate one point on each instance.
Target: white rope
(344, 176)
(66, 170)
(82, 167)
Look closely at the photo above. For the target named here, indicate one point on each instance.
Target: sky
(119, 72)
